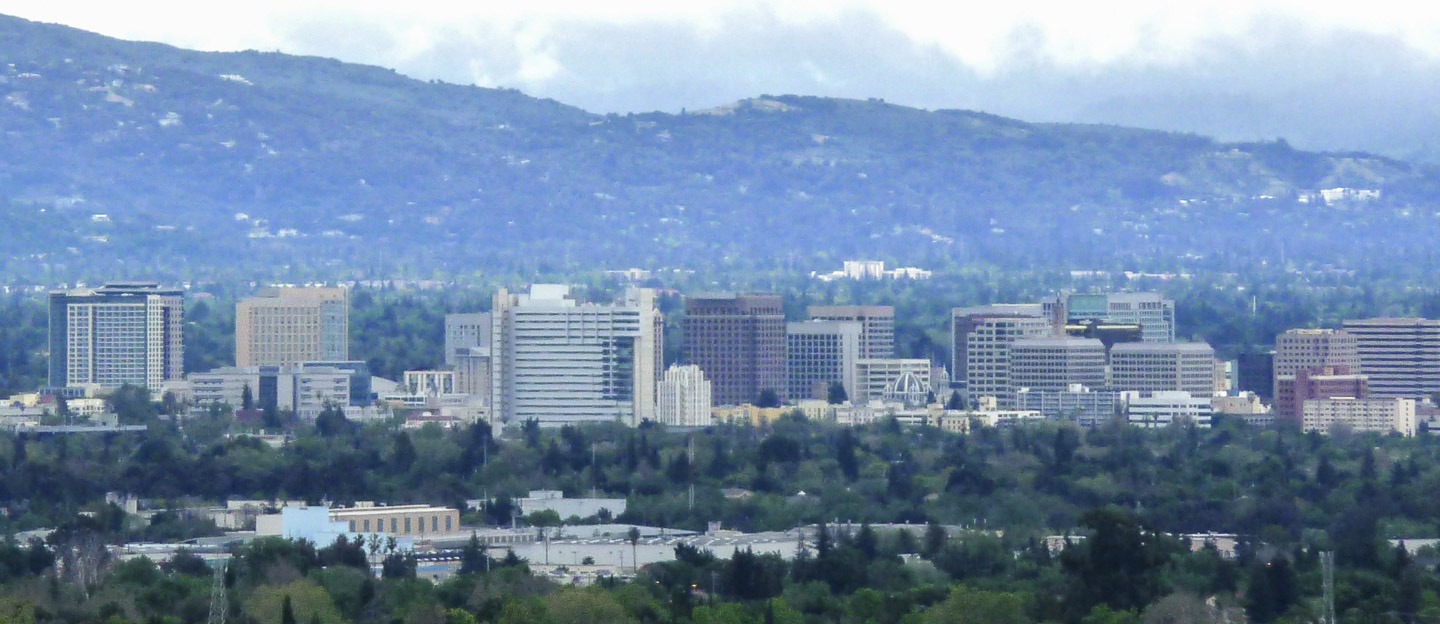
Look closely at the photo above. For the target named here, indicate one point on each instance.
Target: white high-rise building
(818, 353)
(559, 361)
(684, 397)
(121, 333)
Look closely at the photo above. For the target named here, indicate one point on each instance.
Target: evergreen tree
(287, 611)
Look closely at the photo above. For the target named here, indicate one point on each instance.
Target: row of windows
(364, 525)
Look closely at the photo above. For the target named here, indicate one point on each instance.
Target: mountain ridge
(197, 159)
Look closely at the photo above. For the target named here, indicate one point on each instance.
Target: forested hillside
(142, 159)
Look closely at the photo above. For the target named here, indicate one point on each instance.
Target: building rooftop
(1162, 347)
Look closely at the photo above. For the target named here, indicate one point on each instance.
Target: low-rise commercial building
(1395, 415)
(1152, 410)
(566, 508)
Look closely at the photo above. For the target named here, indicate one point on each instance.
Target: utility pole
(1327, 564)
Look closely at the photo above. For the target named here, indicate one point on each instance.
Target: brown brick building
(739, 343)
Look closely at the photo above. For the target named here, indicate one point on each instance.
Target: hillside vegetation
(185, 164)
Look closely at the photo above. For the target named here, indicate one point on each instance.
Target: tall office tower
(877, 326)
(1321, 382)
(739, 342)
(683, 397)
(559, 361)
(288, 326)
(1055, 363)
(464, 332)
(120, 333)
(1304, 349)
(1163, 367)
(981, 339)
(1151, 311)
(818, 353)
(1401, 356)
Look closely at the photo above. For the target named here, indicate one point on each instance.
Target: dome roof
(908, 383)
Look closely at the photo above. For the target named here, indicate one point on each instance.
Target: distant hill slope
(186, 164)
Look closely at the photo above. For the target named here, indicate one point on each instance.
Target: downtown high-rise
(739, 342)
(122, 333)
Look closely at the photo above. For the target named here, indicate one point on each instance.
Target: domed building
(909, 389)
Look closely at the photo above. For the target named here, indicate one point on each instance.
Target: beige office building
(290, 326)
(1163, 367)
(1377, 415)
(1054, 364)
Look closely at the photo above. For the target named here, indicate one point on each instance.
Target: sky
(1235, 69)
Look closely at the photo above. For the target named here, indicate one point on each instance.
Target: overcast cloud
(1347, 76)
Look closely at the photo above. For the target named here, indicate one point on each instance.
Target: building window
(448, 525)
(392, 526)
(367, 526)
(435, 524)
(407, 524)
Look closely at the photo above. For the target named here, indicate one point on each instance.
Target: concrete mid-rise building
(819, 353)
(981, 339)
(1401, 356)
(304, 390)
(122, 333)
(464, 332)
(739, 342)
(1056, 363)
(1382, 415)
(877, 326)
(684, 397)
(1163, 367)
(472, 372)
(1084, 406)
(1306, 349)
(291, 326)
(559, 361)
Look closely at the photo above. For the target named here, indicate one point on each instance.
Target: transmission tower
(219, 603)
(1327, 563)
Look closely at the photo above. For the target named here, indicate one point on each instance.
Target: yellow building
(399, 520)
(749, 413)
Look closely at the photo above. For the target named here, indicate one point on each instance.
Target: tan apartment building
(289, 326)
